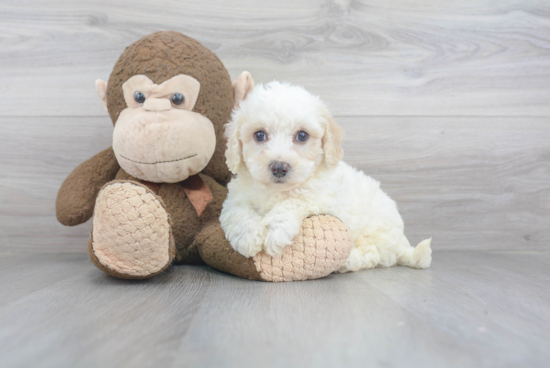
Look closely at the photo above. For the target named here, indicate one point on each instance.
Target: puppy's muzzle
(279, 169)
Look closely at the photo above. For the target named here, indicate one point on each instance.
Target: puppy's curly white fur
(284, 148)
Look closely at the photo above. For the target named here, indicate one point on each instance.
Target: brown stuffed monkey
(156, 194)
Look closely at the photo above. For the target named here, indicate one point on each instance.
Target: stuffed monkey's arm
(76, 197)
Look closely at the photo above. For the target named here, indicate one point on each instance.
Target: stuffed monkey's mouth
(158, 162)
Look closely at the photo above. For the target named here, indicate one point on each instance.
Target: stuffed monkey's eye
(177, 99)
(260, 136)
(302, 136)
(139, 97)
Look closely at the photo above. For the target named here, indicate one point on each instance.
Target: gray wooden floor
(445, 102)
(471, 309)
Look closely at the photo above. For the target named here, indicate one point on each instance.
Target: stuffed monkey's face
(158, 137)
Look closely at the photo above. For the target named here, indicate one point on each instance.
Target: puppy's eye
(139, 97)
(260, 136)
(302, 136)
(177, 99)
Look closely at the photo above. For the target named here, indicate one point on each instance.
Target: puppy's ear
(233, 153)
(242, 86)
(101, 88)
(332, 142)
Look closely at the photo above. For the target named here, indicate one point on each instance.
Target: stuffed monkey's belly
(185, 223)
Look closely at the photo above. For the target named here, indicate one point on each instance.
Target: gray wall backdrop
(446, 102)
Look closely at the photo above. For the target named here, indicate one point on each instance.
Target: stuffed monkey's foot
(320, 248)
(131, 235)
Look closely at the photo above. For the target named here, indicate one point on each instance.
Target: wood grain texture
(478, 183)
(445, 102)
(363, 57)
(468, 182)
(482, 309)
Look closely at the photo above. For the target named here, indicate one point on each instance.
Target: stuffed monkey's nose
(157, 104)
(279, 169)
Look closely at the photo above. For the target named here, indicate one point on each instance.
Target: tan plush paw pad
(322, 246)
(131, 230)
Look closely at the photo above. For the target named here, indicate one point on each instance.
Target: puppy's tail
(417, 257)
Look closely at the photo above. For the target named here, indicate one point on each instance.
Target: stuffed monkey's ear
(242, 86)
(233, 153)
(332, 142)
(101, 88)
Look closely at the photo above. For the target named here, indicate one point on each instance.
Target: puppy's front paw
(247, 238)
(280, 235)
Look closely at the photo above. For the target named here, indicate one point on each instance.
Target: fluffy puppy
(284, 148)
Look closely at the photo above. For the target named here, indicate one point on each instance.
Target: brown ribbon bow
(194, 187)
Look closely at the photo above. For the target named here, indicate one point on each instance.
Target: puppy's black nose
(279, 169)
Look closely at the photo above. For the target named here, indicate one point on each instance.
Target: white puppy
(284, 148)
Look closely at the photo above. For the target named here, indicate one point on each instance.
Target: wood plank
(93, 319)
(343, 321)
(324, 323)
(468, 182)
(23, 274)
(363, 57)
(472, 308)
(478, 183)
(484, 295)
